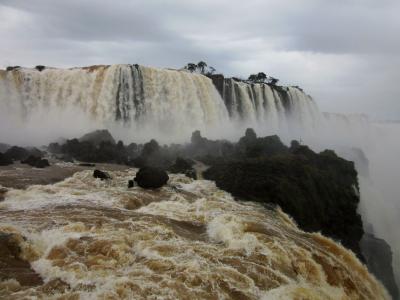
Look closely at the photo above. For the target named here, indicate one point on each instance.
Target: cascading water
(136, 100)
(137, 103)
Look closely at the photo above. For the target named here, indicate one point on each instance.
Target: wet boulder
(131, 184)
(151, 178)
(101, 174)
(97, 137)
(183, 166)
(3, 192)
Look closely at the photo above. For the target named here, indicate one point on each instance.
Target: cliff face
(320, 191)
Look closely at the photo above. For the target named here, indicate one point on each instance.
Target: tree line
(202, 68)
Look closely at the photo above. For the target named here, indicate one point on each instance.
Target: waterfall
(137, 103)
(144, 101)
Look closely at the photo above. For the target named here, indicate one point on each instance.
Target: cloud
(344, 53)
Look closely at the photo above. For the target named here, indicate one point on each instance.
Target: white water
(189, 239)
(139, 103)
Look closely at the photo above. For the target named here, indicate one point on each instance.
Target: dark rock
(54, 148)
(36, 162)
(183, 166)
(4, 160)
(42, 163)
(12, 68)
(86, 165)
(320, 191)
(3, 192)
(378, 256)
(40, 68)
(17, 153)
(100, 174)
(149, 177)
(131, 184)
(12, 265)
(97, 137)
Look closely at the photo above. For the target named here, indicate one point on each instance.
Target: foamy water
(95, 239)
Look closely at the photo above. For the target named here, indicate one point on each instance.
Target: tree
(261, 77)
(211, 70)
(201, 66)
(273, 80)
(253, 78)
(191, 67)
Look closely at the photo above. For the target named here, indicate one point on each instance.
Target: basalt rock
(17, 153)
(183, 166)
(100, 174)
(98, 136)
(320, 191)
(36, 162)
(378, 256)
(151, 178)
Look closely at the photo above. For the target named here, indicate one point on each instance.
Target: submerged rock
(3, 191)
(12, 266)
(100, 174)
(149, 177)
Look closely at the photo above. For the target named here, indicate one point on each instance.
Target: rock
(149, 177)
(17, 153)
(42, 163)
(3, 192)
(12, 265)
(12, 68)
(131, 184)
(36, 162)
(378, 256)
(40, 68)
(98, 136)
(320, 191)
(86, 165)
(100, 174)
(4, 160)
(183, 166)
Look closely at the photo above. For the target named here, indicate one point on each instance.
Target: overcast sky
(345, 53)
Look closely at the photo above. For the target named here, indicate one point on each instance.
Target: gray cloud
(345, 53)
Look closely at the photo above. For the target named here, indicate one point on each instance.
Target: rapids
(189, 240)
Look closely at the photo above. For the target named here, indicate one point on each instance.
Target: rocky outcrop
(19, 153)
(320, 191)
(4, 160)
(183, 166)
(97, 137)
(151, 178)
(36, 162)
(378, 256)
